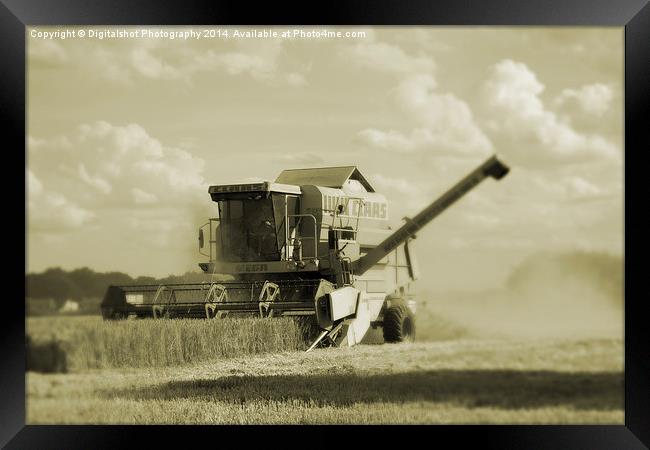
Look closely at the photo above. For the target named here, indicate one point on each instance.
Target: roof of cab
(334, 177)
(261, 186)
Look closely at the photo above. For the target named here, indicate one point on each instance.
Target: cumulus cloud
(151, 66)
(161, 60)
(126, 62)
(385, 57)
(512, 96)
(443, 123)
(97, 182)
(34, 185)
(510, 116)
(579, 187)
(141, 197)
(46, 51)
(405, 196)
(481, 220)
(562, 188)
(398, 185)
(425, 39)
(593, 99)
(388, 140)
(534, 207)
(261, 60)
(50, 210)
(296, 79)
(110, 65)
(101, 168)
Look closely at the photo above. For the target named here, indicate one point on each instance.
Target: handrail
(348, 230)
(347, 199)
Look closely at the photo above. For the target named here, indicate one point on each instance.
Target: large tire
(399, 323)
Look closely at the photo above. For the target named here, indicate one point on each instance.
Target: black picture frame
(634, 15)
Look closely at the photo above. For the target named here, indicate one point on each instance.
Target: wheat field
(248, 371)
(460, 381)
(88, 342)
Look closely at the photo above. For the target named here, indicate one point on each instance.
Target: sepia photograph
(324, 225)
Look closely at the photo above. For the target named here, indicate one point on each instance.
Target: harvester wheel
(399, 323)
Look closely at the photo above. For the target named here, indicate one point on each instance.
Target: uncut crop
(154, 343)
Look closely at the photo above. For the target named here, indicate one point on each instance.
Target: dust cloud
(549, 295)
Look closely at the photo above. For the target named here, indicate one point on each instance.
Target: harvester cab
(314, 243)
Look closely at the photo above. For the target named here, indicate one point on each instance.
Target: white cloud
(481, 220)
(100, 168)
(387, 140)
(140, 196)
(405, 197)
(235, 63)
(426, 39)
(593, 99)
(386, 58)
(107, 64)
(51, 210)
(296, 79)
(46, 51)
(151, 66)
(400, 185)
(579, 187)
(258, 59)
(34, 185)
(556, 188)
(443, 123)
(97, 182)
(512, 96)
(128, 61)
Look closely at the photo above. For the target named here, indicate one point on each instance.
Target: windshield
(248, 230)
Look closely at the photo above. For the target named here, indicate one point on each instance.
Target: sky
(126, 134)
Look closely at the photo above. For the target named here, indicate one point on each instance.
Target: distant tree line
(60, 285)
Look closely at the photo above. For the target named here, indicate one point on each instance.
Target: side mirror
(201, 241)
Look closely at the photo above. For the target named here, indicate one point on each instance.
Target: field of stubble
(464, 380)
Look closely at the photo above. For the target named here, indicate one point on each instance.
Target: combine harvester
(313, 243)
